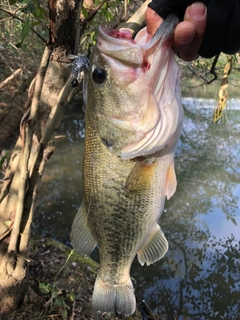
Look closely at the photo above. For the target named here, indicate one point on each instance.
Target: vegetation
(60, 285)
(37, 112)
(36, 39)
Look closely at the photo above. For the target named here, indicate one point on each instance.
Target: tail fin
(107, 298)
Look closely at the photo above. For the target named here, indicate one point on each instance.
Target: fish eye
(99, 75)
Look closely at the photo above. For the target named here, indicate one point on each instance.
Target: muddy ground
(60, 286)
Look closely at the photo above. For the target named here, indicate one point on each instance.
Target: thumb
(153, 21)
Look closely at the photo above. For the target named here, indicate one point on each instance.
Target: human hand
(189, 33)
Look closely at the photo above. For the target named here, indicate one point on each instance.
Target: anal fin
(154, 249)
(81, 237)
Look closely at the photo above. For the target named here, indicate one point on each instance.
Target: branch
(21, 193)
(24, 166)
(14, 15)
(57, 111)
(15, 73)
(91, 15)
(202, 77)
(213, 71)
(43, 153)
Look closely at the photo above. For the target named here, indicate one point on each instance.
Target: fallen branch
(11, 77)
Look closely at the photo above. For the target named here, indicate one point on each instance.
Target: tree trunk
(50, 93)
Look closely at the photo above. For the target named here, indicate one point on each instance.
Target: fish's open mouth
(125, 35)
(115, 33)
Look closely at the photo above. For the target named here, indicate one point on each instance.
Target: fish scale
(128, 161)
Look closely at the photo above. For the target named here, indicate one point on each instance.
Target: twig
(202, 77)
(91, 15)
(6, 19)
(73, 310)
(39, 82)
(13, 14)
(12, 76)
(213, 70)
(56, 112)
(148, 311)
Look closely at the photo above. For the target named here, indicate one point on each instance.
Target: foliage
(21, 20)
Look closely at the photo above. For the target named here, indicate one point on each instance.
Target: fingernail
(197, 11)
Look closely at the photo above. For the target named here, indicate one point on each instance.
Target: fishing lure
(79, 64)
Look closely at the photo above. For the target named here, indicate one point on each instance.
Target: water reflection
(61, 191)
(200, 276)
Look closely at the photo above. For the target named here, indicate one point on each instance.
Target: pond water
(199, 278)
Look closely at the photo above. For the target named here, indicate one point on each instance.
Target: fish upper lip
(161, 33)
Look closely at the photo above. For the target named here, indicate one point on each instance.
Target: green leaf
(64, 313)
(25, 29)
(25, 32)
(35, 23)
(29, 8)
(44, 288)
(2, 159)
(71, 296)
(84, 12)
(39, 12)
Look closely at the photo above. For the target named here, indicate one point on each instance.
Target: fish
(134, 119)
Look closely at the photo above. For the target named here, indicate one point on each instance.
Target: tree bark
(14, 92)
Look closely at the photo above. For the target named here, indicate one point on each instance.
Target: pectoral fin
(171, 181)
(154, 249)
(82, 239)
(141, 177)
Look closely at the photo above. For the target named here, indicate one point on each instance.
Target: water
(200, 276)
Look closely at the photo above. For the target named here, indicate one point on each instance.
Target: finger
(196, 14)
(153, 21)
(183, 35)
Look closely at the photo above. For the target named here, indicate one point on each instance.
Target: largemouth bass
(133, 122)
